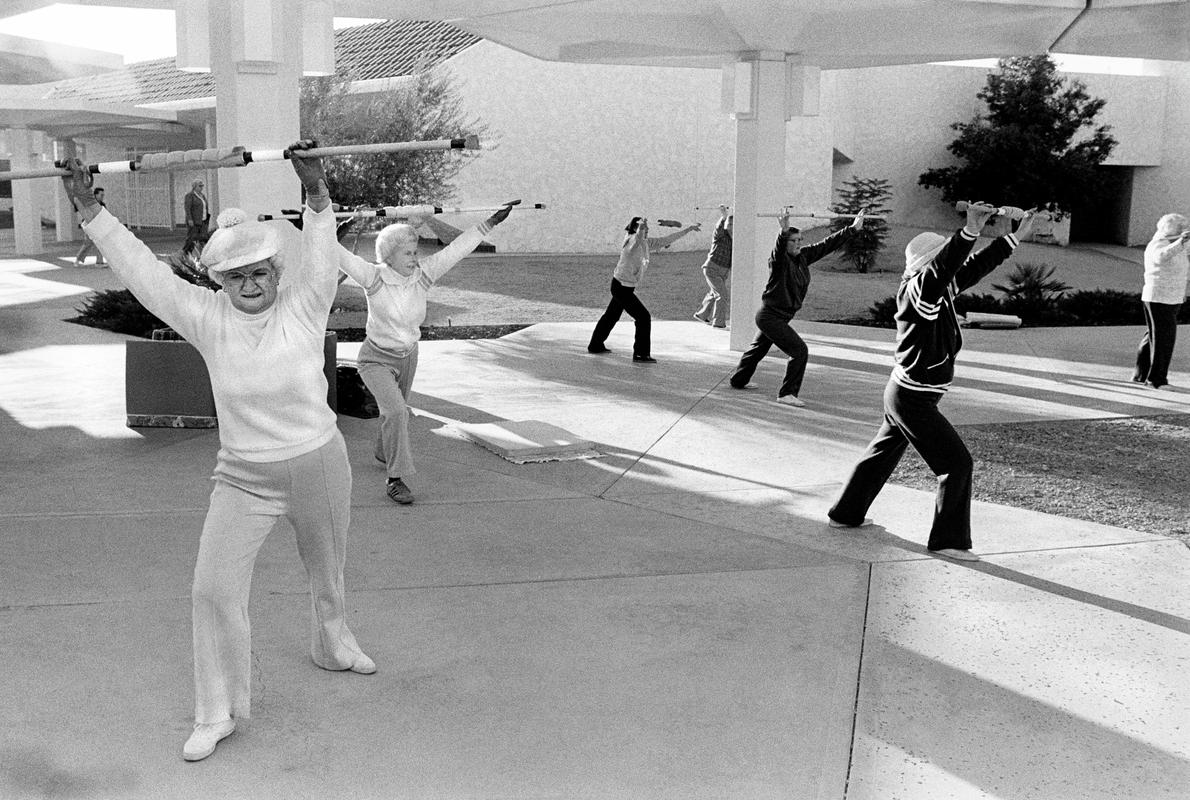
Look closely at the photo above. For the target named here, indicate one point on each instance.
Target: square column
(66, 228)
(764, 90)
(256, 61)
(26, 211)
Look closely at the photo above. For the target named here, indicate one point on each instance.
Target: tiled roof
(380, 50)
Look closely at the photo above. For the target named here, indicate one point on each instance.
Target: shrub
(1100, 307)
(884, 312)
(860, 194)
(117, 310)
(984, 303)
(1031, 292)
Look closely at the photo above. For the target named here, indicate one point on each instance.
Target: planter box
(166, 384)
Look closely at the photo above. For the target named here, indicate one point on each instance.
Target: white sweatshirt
(396, 302)
(266, 369)
(1166, 270)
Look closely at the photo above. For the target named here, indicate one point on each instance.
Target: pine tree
(863, 194)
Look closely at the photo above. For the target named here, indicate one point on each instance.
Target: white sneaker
(957, 555)
(791, 400)
(834, 523)
(363, 665)
(204, 738)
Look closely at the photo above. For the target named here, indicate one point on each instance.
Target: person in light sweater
(1166, 269)
(630, 269)
(396, 287)
(281, 453)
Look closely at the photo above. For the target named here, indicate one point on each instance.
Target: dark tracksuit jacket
(928, 334)
(789, 276)
(928, 339)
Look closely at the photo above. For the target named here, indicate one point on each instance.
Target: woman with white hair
(937, 269)
(396, 287)
(1166, 269)
(281, 453)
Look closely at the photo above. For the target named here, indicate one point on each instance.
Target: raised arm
(979, 266)
(438, 264)
(317, 278)
(666, 241)
(178, 303)
(1179, 245)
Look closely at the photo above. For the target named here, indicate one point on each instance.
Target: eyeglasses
(237, 280)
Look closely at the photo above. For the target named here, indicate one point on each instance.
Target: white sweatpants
(314, 492)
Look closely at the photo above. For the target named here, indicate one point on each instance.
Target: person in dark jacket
(789, 277)
(198, 217)
(937, 269)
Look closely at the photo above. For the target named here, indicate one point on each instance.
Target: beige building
(598, 144)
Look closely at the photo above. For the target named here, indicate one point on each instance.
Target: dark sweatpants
(624, 299)
(1156, 346)
(913, 418)
(774, 329)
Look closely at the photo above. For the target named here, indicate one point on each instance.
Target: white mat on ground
(528, 441)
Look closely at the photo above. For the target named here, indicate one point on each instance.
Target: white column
(66, 227)
(257, 65)
(762, 91)
(759, 96)
(26, 213)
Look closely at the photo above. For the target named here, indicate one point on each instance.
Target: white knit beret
(1171, 226)
(238, 241)
(392, 235)
(921, 250)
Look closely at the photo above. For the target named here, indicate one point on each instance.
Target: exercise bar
(813, 215)
(1011, 212)
(405, 212)
(219, 157)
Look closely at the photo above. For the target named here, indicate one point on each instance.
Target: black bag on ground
(354, 398)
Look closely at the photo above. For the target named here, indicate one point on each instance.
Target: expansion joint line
(859, 672)
(660, 436)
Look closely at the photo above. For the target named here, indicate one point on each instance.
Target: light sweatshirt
(634, 255)
(1166, 270)
(266, 369)
(396, 302)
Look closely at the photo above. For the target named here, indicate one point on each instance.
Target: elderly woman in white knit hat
(937, 269)
(281, 452)
(1166, 269)
(396, 287)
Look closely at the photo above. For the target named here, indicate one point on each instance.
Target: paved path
(671, 620)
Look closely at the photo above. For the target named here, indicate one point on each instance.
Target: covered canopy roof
(832, 34)
(24, 61)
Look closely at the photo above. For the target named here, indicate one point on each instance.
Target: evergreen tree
(1037, 144)
(863, 194)
(426, 106)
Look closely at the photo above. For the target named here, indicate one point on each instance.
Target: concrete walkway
(670, 620)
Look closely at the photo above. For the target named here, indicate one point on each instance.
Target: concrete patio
(671, 620)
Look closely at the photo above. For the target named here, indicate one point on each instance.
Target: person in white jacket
(1166, 269)
(629, 271)
(396, 287)
(281, 453)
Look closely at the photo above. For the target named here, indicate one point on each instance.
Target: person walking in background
(198, 217)
(717, 270)
(1166, 270)
(789, 278)
(937, 269)
(629, 271)
(81, 256)
(396, 287)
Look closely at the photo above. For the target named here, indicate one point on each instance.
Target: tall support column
(762, 91)
(66, 227)
(26, 213)
(256, 62)
(759, 92)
